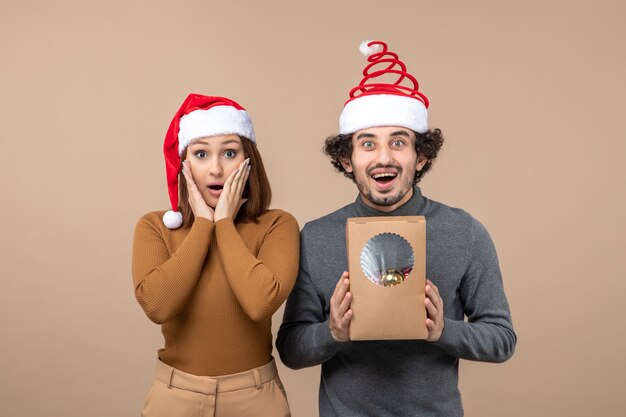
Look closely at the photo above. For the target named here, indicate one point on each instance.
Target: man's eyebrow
(371, 135)
(401, 133)
(365, 135)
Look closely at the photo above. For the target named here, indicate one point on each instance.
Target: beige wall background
(530, 96)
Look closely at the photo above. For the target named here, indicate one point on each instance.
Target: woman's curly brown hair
(428, 144)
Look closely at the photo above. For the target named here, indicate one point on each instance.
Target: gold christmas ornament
(387, 259)
(391, 276)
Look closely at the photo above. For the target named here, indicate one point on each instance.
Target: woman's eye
(200, 154)
(230, 154)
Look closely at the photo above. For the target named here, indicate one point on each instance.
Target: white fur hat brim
(383, 110)
(217, 120)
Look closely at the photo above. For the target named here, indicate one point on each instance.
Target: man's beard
(385, 200)
(382, 200)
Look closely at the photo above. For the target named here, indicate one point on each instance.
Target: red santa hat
(376, 101)
(198, 117)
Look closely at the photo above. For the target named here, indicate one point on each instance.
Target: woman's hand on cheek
(199, 207)
(230, 200)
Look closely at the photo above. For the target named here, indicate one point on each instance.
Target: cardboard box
(386, 284)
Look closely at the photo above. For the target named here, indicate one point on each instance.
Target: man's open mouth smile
(384, 178)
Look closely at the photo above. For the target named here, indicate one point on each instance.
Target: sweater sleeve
(304, 337)
(488, 333)
(163, 280)
(260, 283)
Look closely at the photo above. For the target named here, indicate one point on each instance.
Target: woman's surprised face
(212, 159)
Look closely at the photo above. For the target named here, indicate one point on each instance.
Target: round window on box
(387, 259)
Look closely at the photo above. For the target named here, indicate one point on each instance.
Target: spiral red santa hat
(376, 101)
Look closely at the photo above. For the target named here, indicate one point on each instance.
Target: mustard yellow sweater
(213, 287)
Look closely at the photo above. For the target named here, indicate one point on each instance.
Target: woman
(213, 273)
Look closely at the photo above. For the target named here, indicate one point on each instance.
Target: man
(385, 147)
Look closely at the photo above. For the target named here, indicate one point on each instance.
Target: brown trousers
(258, 392)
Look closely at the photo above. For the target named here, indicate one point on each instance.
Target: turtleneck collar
(411, 208)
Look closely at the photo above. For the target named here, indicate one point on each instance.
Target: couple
(214, 269)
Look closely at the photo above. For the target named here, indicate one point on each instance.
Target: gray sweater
(399, 378)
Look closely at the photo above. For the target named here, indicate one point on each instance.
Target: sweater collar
(411, 208)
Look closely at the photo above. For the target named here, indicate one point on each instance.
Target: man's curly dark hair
(428, 144)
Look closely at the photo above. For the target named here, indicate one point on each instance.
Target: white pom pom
(369, 50)
(172, 219)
